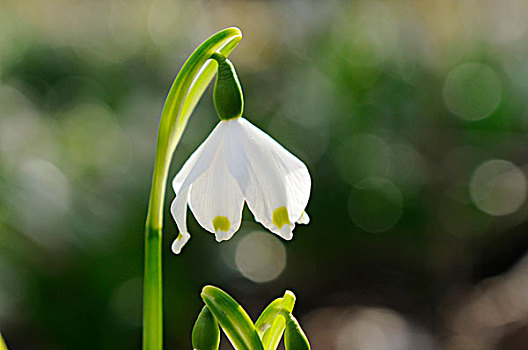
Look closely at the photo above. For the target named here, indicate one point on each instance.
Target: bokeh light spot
(498, 187)
(19, 123)
(375, 204)
(497, 21)
(260, 257)
(41, 201)
(374, 329)
(472, 91)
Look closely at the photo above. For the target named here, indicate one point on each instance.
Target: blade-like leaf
(271, 323)
(234, 321)
(272, 337)
(267, 316)
(294, 337)
(206, 333)
(3, 345)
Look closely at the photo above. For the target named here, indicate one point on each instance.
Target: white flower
(239, 162)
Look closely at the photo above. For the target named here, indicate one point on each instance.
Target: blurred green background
(412, 117)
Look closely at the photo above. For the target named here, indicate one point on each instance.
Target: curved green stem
(188, 87)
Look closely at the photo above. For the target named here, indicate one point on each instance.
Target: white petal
(275, 184)
(179, 213)
(216, 200)
(304, 219)
(199, 161)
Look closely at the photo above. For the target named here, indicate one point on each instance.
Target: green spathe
(227, 95)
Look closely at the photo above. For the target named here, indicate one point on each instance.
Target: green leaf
(294, 337)
(267, 316)
(3, 345)
(234, 321)
(206, 334)
(272, 337)
(272, 322)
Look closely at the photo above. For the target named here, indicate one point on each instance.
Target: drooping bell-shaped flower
(239, 163)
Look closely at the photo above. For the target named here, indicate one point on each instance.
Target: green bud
(294, 337)
(206, 333)
(227, 95)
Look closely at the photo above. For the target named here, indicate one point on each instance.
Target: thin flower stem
(152, 332)
(152, 294)
(188, 87)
